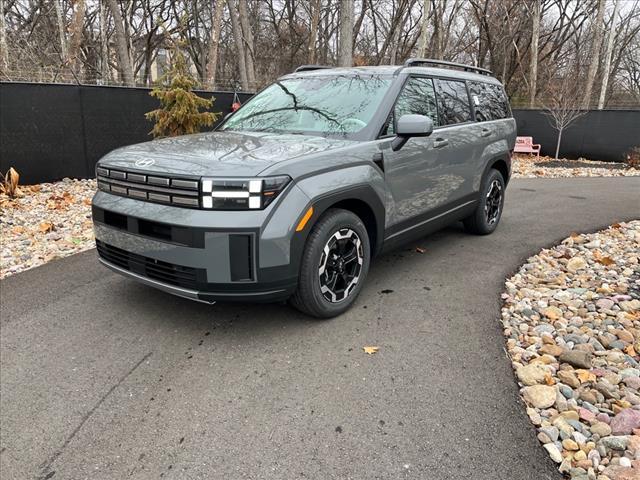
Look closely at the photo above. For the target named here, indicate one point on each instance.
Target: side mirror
(411, 126)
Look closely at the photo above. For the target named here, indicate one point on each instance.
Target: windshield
(335, 105)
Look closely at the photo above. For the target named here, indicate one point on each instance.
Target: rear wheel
(487, 215)
(335, 263)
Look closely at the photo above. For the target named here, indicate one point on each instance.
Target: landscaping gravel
(571, 316)
(527, 166)
(48, 221)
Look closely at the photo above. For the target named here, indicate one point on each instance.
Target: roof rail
(414, 62)
(308, 68)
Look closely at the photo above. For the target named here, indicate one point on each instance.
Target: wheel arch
(501, 163)
(363, 201)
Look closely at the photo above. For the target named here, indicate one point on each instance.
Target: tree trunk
(61, 30)
(533, 65)
(77, 33)
(422, 46)
(345, 44)
(607, 59)
(105, 70)
(248, 42)
(214, 41)
(4, 54)
(122, 51)
(558, 144)
(595, 54)
(237, 36)
(313, 34)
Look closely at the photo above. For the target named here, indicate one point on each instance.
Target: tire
(485, 219)
(338, 234)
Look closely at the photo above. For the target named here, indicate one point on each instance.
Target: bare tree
(105, 69)
(607, 59)
(313, 34)
(240, 51)
(422, 47)
(595, 54)
(533, 64)
(61, 30)
(345, 41)
(122, 49)
(563, 107)
(247, 37)
(4, 53)
(77, 34)
(214, 40)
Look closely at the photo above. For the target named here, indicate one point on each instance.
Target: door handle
(440, 142)
(485, 132)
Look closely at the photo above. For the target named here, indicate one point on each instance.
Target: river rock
(625, 422)
(539, 396)
(576, 358)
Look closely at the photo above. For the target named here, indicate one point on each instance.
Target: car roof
(394, 70)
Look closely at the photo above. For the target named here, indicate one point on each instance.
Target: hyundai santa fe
(293, 194)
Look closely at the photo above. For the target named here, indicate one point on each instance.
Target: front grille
(182, 192)
(164, 272)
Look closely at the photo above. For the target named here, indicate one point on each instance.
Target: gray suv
(294, 194)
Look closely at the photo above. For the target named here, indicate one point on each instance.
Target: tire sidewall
(336, 220)
(482, 218)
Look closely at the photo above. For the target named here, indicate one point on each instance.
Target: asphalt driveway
(104, 378)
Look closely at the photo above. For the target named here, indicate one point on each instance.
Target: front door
(414, 173)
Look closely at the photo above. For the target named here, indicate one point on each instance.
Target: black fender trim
(492, 161)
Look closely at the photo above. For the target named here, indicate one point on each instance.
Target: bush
(632, 157)
(179, 112)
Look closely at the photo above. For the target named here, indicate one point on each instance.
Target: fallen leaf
(630, 351)
(606, 261)
(548, 379)
(370, 350)
(18, 230)
(35, 188)
(585, 376)
(86, 201)
(46, 227)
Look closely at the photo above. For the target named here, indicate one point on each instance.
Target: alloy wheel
(340, 265)
(493, 202)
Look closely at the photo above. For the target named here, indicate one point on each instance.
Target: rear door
(493, 117)
(460, 138)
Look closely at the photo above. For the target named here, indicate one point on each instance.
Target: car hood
(235, 154)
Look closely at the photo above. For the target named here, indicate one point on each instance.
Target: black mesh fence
(51, 131)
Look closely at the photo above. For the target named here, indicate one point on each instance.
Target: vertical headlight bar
(241, 194)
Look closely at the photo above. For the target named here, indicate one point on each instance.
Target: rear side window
(453, 102)
(418, 97)
(490, 101)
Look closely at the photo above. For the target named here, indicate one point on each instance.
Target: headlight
(241, 194)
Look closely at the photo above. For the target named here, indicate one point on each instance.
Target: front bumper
(203, 255)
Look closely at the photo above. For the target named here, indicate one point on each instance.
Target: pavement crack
(47, 465)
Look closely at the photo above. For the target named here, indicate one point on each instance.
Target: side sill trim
(430, 219)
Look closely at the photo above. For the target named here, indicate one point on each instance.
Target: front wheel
(487, 215)
(335, 263)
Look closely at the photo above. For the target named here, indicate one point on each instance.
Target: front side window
(418, 97)
(490, 101)
(332, 105)
(453, 102)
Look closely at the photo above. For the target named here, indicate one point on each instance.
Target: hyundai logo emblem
(145, 162)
